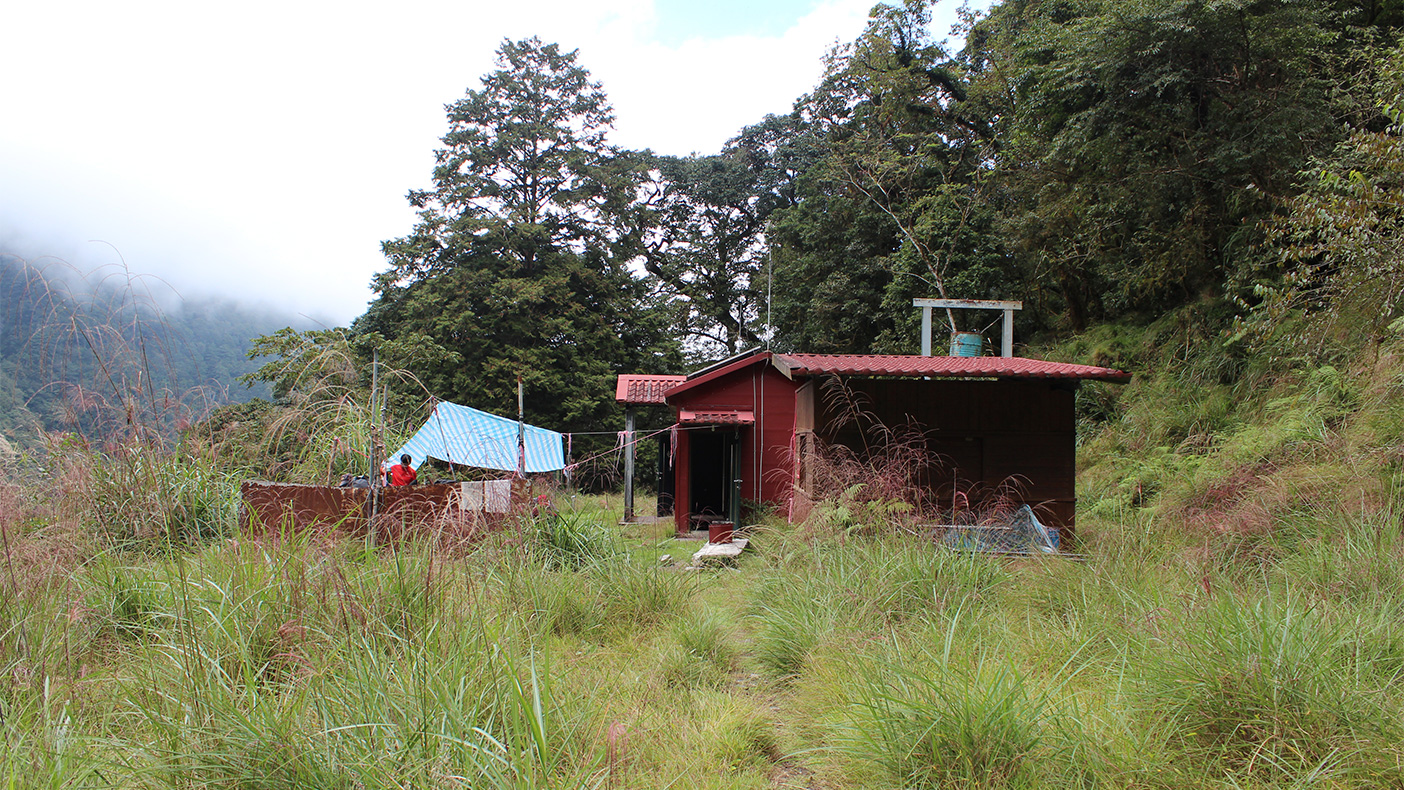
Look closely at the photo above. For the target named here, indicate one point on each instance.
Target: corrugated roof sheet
(643, 390)
(942, 367)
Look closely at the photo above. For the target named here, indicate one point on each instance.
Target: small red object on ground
(720, 532)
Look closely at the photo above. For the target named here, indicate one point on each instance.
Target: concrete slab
(720, 552)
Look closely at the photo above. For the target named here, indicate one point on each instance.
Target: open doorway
(666, 472)
(714, 482)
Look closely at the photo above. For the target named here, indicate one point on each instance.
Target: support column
(628, 463)
(1006, 347)
(926, 332)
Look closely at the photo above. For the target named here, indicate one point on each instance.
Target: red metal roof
(690, 417)
(698, 378)
(639, 389)
(942, 367)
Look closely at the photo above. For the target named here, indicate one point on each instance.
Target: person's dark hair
(405, 459)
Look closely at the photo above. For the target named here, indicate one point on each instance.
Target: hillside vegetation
(91, 352)
(1238, 620)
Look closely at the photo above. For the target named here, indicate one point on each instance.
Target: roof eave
(715, 373)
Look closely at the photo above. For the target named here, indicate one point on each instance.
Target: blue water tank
(967, 344)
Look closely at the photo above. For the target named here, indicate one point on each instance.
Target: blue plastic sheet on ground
(469, 437)
(1023, 533)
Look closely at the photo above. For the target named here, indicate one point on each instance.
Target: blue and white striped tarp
(469, 437)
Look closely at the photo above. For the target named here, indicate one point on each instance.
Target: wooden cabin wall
(765, 446)
(1016, 436)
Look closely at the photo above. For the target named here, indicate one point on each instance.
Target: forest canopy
(1098, 160)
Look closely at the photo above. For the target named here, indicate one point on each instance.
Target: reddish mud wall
(399, 511)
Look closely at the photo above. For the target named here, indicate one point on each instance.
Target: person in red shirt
(402, 474)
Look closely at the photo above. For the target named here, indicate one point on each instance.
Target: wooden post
(570, 448)
(521, 430)
(926, 331)
(1006, 345)
(628, 463)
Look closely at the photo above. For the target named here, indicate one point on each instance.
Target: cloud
(262, 150)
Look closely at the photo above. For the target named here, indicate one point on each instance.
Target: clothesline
(675, 427)
(621, 445)
(613, 433)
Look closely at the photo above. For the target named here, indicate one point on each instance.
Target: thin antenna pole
(769, 285)
(521, 429)
(374, 413)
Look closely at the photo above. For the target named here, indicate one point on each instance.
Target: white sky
(262, 150)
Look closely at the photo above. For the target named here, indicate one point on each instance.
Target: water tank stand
(1006, 345)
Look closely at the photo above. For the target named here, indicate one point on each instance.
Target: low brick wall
(399, 511)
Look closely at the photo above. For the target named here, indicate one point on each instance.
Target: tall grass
(569, 539)
(1276, 688)
(291, 666)
(602, 602)
(831, 586)
(1186, 650)
(704, 654)
(141, 493)
(950, 725)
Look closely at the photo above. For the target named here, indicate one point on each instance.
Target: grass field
(820, 660)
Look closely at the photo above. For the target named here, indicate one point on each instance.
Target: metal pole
(629, 463)
(1007, 307)
(521, 429)
(734, 511)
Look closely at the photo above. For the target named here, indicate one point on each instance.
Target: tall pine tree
(517, 265)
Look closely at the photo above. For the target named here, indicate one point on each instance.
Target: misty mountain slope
(91, 353)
